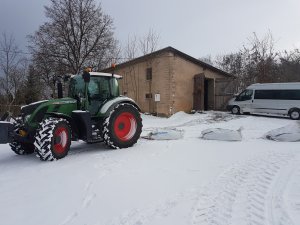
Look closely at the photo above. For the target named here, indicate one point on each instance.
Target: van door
(244, 100)
(269, 101)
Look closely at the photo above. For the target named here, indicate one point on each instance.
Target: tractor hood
(34, 113)
(28, 109)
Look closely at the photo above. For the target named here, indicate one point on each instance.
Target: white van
(271, 98)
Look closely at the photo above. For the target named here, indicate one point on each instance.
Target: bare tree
(135, 47)
(207, 59)
(255, 62)
(262, 55)
(290, 66)
(139, 46)
(131, 48)
(47, 73)
(77, 34)
(13, 69)
(149, 43)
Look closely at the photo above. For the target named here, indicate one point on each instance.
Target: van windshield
(245, 95)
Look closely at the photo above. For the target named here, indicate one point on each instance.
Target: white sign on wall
(157, 97)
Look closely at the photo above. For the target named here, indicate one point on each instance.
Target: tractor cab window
(99, 88)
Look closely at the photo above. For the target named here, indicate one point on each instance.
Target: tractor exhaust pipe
(59, 90)
(59, 86)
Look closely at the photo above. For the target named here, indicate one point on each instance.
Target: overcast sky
(196, 27)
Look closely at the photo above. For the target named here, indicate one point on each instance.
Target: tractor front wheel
(18, 147)
(21, 148)
(123, 127)
(53, 139)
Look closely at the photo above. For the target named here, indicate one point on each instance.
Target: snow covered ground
(189, 181)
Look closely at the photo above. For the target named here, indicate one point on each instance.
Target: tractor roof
(105, 74)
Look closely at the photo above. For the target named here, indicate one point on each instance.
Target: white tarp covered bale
(221, 134)
(289, 133)
(165, 134)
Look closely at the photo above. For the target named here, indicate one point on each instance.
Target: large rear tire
(123, 127)
(53, 139)
(20, 148)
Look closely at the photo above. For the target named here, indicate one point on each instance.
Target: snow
(164, 134)
(286, 133)
(161, 182)
(222, 134)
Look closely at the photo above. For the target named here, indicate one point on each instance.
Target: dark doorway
(198, 104)
(209, 94)
(206, 94)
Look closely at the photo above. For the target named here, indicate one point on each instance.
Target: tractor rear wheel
(20, 148)
(53, 139)
(123, 127)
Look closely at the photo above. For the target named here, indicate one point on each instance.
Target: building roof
(175, 52)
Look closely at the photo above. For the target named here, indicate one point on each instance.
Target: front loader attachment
(6, 132)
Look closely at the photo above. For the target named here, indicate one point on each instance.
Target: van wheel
(295, 114)
(235, 110)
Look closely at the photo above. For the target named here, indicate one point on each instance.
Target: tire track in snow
(155, 211)
(244, 194)
(278, 213)
(105, 166)
(292, 195)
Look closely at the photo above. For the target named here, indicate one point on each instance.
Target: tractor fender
(111, 104)
(59, 115)
(71, 121)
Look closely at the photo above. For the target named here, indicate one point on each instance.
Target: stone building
(167, 81)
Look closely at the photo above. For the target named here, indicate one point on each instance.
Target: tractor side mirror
(67, 77)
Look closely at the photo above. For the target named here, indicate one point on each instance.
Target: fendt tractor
(93, 112)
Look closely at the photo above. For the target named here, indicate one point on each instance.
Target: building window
(149, 74)
(148, 95)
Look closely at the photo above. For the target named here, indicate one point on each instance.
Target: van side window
(245, 95)
(290, 94)
(266, 94)
(277, 94)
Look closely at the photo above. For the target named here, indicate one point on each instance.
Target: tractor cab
(101, 88)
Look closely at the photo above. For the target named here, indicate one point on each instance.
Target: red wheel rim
(60, 140)
(125, 126)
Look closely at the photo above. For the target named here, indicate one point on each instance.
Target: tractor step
(97, 140)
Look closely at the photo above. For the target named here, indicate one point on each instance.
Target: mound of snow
(165, 134)
(289, 133)
(179, 115)
(222, 134)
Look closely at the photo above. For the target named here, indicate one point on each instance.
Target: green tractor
(93, 112)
